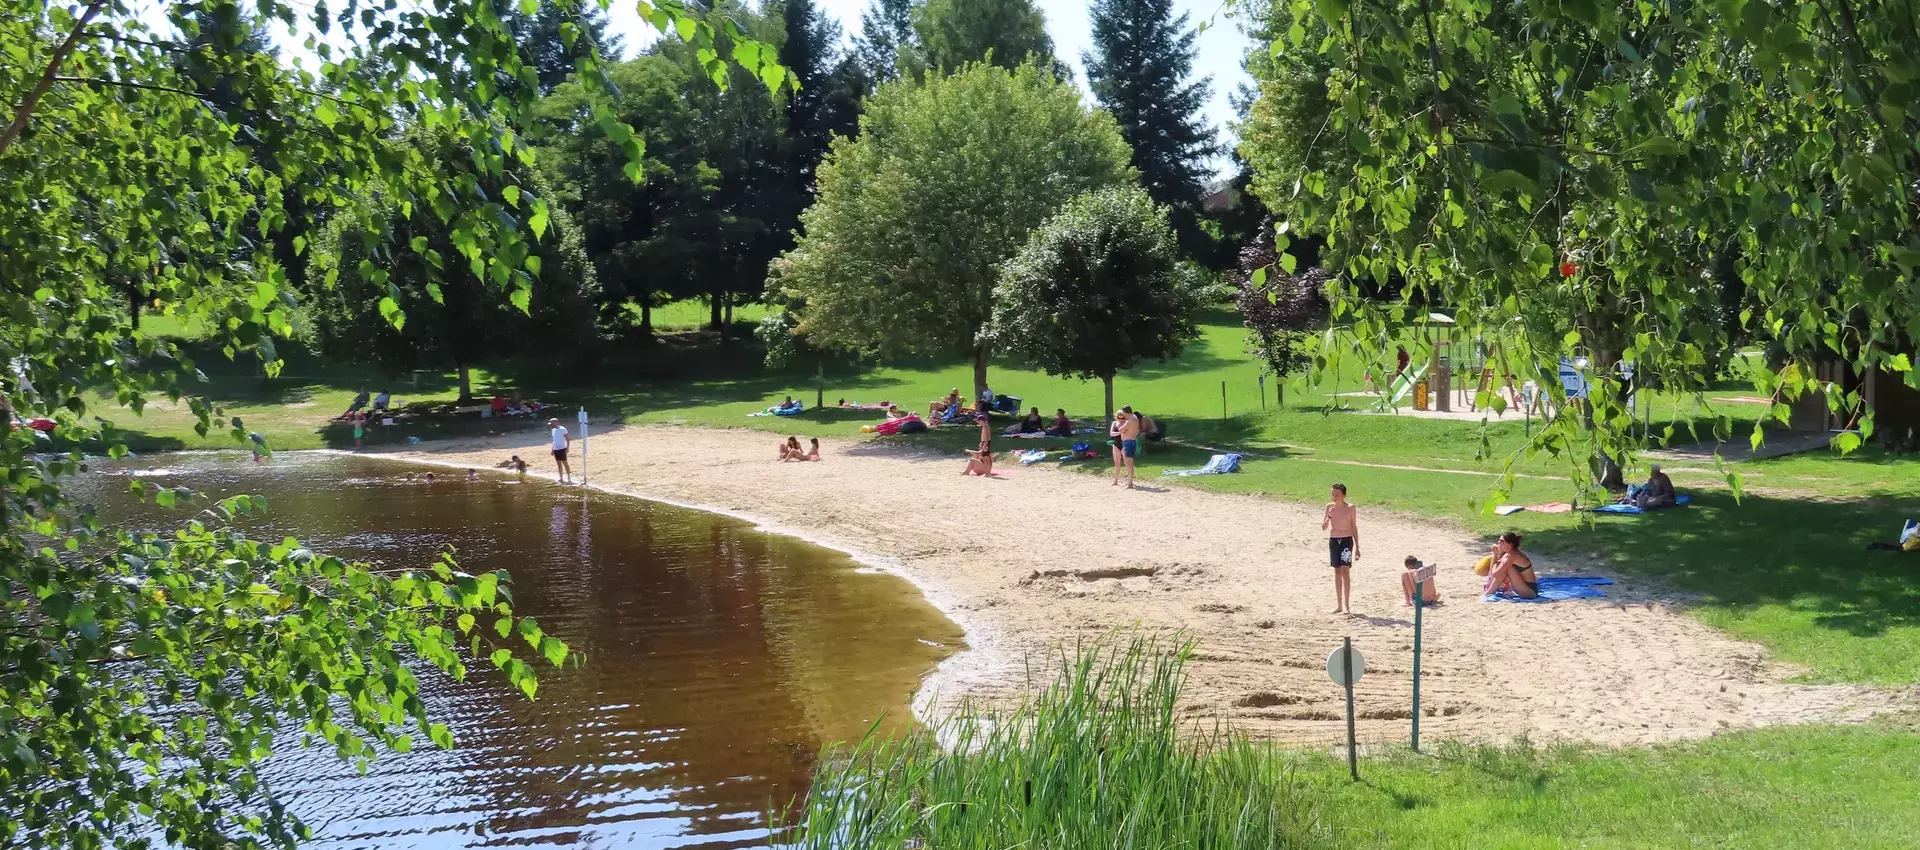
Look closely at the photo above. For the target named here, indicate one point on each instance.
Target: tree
(143, 677)
(827, 102)
(1141, 69)
(887, 40)
(544, 41)
(1281, 311)
(943, 183)
(639, 234)
(1582, 170)
(1008, 33)
(1098, 288)
(452, 321)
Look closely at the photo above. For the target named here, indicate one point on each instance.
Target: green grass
(692, 315)
(1099, 759)
(1787, 567)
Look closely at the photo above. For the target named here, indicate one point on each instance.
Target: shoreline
(1042, 559)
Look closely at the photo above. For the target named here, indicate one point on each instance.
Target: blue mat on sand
(1557, 588)
(1630, 510)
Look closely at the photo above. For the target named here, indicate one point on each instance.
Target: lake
(719, 659)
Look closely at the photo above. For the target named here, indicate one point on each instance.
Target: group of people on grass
(1509, 570)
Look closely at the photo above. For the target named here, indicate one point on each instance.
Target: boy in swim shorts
(1342, 523)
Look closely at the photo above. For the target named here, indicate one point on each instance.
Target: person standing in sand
(561, 442)
(1126, 443)
(1342, 522)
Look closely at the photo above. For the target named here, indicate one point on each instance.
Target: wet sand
(1038, 558)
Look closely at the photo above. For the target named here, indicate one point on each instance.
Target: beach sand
(1043, 558)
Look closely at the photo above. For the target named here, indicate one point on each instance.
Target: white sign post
(583, 446)
(1345, 666)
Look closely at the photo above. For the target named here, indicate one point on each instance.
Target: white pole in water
(583, 445)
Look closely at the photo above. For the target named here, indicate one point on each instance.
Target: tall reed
(1099, 758)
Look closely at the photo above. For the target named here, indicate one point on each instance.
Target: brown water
(719, 658)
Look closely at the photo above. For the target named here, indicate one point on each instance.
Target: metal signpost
(583, 446)
(1345, 666)
(1420, 578)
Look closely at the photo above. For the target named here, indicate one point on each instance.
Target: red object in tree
(1567, 268)
(41, 424)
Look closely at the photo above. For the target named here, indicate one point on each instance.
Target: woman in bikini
(1512, 569)
(790, 450)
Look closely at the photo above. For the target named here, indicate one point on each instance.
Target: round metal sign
(1337, 666)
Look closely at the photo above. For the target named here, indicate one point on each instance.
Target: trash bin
(1420, 394)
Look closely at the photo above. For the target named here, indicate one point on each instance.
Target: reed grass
(1098, 758)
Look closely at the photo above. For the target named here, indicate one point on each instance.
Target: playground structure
(1451, 378)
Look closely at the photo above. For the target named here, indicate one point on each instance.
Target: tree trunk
(466, 385)
(646, 318)
(729, 313)
(979, 372)
(820, 382)
(133, 306)
(713, 309)
(1108, 380)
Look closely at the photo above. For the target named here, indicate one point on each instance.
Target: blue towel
(1216, 465)
(1557, 588)
(1632, 510)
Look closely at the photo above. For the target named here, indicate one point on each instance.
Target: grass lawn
(1788, 787)
(1786, 567)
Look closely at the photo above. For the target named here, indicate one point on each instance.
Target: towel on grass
(1508, 510)
(1551, 508)
(1032, 455)
(1558, 588)
(1635, 510)
(1216, 465)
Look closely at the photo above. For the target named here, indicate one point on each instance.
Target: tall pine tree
(886, 37)
(1140, 70)
(541, 44)
(828, 102)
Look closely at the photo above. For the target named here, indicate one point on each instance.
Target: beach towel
(1635, 510)
(1216, 465)
(1507, 510)
(1032, 455)
(1559, 588)
(1551, 508)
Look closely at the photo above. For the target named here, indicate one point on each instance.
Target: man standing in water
(1342, 523)
(561, 440)
(1126, 443)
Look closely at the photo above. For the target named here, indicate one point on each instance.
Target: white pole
(583, 445)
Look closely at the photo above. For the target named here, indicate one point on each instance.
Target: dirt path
(1042, 557)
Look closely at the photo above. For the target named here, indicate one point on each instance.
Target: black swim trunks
(1340, 551)
(559, 454)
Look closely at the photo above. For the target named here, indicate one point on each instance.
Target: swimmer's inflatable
(795, 410)
(911, 424)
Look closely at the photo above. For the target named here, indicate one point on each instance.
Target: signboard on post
(583, 445)
(1421, 576)
(1345, 666)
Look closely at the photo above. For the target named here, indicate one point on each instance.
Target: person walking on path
(1342, 523)
(1126, 443)
(561, 442)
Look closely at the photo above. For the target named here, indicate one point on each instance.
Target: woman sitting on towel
(1033, 424)
(1512, 569)
(1062, 426)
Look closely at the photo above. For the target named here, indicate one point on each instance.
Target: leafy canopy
(944, 182)
(144, 677)
(1008, 33)
(1098, 288)
(1572, 174)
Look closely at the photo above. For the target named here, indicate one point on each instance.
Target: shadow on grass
(1806, 554)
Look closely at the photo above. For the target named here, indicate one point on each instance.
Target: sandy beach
(1038, 558)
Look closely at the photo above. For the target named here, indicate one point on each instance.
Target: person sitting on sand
(1657, 493)
(359, 401)
(814, 453)
(1429, 591)
(1033, 423)
(1062, 426)
(790, 450)
(939, 407)
(980, 461)
(1512, 569)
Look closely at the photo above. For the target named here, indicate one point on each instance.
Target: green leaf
(554, 651)
(538, 221)
(774, 76)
